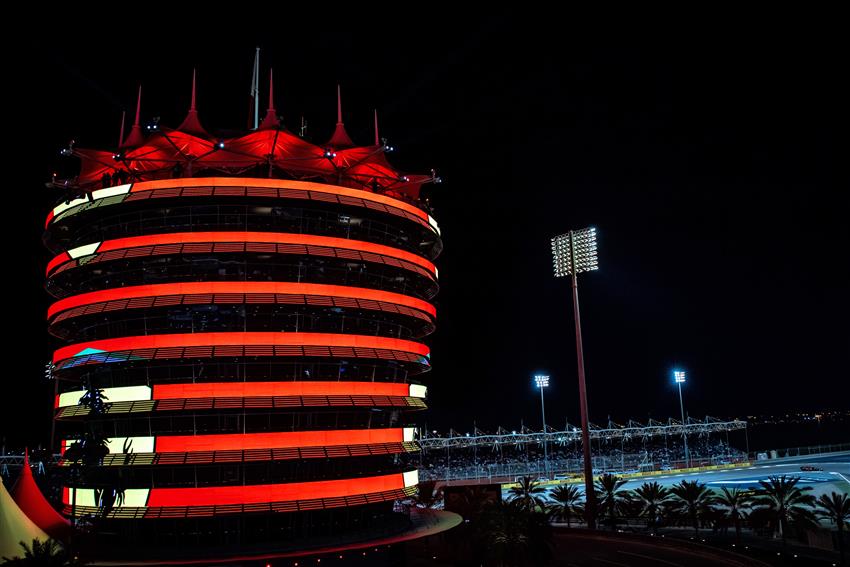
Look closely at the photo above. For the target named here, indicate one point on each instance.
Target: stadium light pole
(574, 253)
(543, 382)
(679, 377)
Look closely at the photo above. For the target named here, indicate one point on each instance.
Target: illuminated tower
(254, 309)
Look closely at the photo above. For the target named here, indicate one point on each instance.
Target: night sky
(709, 165)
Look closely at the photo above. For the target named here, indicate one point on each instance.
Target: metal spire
(255, 88)
(338, 105)
(271, 89)
(121, 134)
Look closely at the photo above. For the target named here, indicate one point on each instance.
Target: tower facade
(242, 325)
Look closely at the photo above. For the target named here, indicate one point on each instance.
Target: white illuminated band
(433, 222)
(418, 391)
(411, 478)
(133, 497)
(117, 445)
(81, 251)
(122, 394)
(99, 194)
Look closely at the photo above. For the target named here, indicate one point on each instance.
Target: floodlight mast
(542, 381)
(573, 253)
(679, 377)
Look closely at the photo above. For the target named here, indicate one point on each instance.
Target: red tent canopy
(273, 152)
(32, 502)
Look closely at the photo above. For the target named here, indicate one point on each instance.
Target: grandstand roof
(190, 150)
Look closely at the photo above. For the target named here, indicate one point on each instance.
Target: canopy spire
(340, 138)
(271, 120)
(192, 107)
(136, 138)
(377, 138)
(121, 134)
(191, 124)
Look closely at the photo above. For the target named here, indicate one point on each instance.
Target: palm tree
(48, 553)
(692, 501)
(94, 399)
(735, 504)
(784, 503)
(88, 451)
(472, 500)
(513, 535)
(502, 538)
(611, 500)
(567, 499)
(428, 495)
(836, 508)
(528, 494)
(652, 499)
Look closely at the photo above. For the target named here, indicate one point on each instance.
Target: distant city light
(541, 381)
(679, 376)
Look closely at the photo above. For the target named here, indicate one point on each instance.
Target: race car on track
(809, 468)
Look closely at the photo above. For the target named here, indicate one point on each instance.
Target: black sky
(709, 163)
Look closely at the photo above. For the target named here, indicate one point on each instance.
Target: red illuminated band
(258, 389)
(222, 390)
(273, 492)
(248, 441)
(204, 288)
(270, 183)
(262, 493)
(56, 261)
(245, 237)
(238, 339)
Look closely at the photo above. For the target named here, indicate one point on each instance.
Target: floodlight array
(584, 245)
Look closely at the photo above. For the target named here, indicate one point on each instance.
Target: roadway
(835, 475)
(581, 548)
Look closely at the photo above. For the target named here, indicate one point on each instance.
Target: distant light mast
(679, 378)
(542, 381)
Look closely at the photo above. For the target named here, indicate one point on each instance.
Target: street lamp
(543, 382)
(679, 378)
(574, 253)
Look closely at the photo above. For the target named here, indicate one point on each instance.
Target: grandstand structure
(618, 448)
(571, 434)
